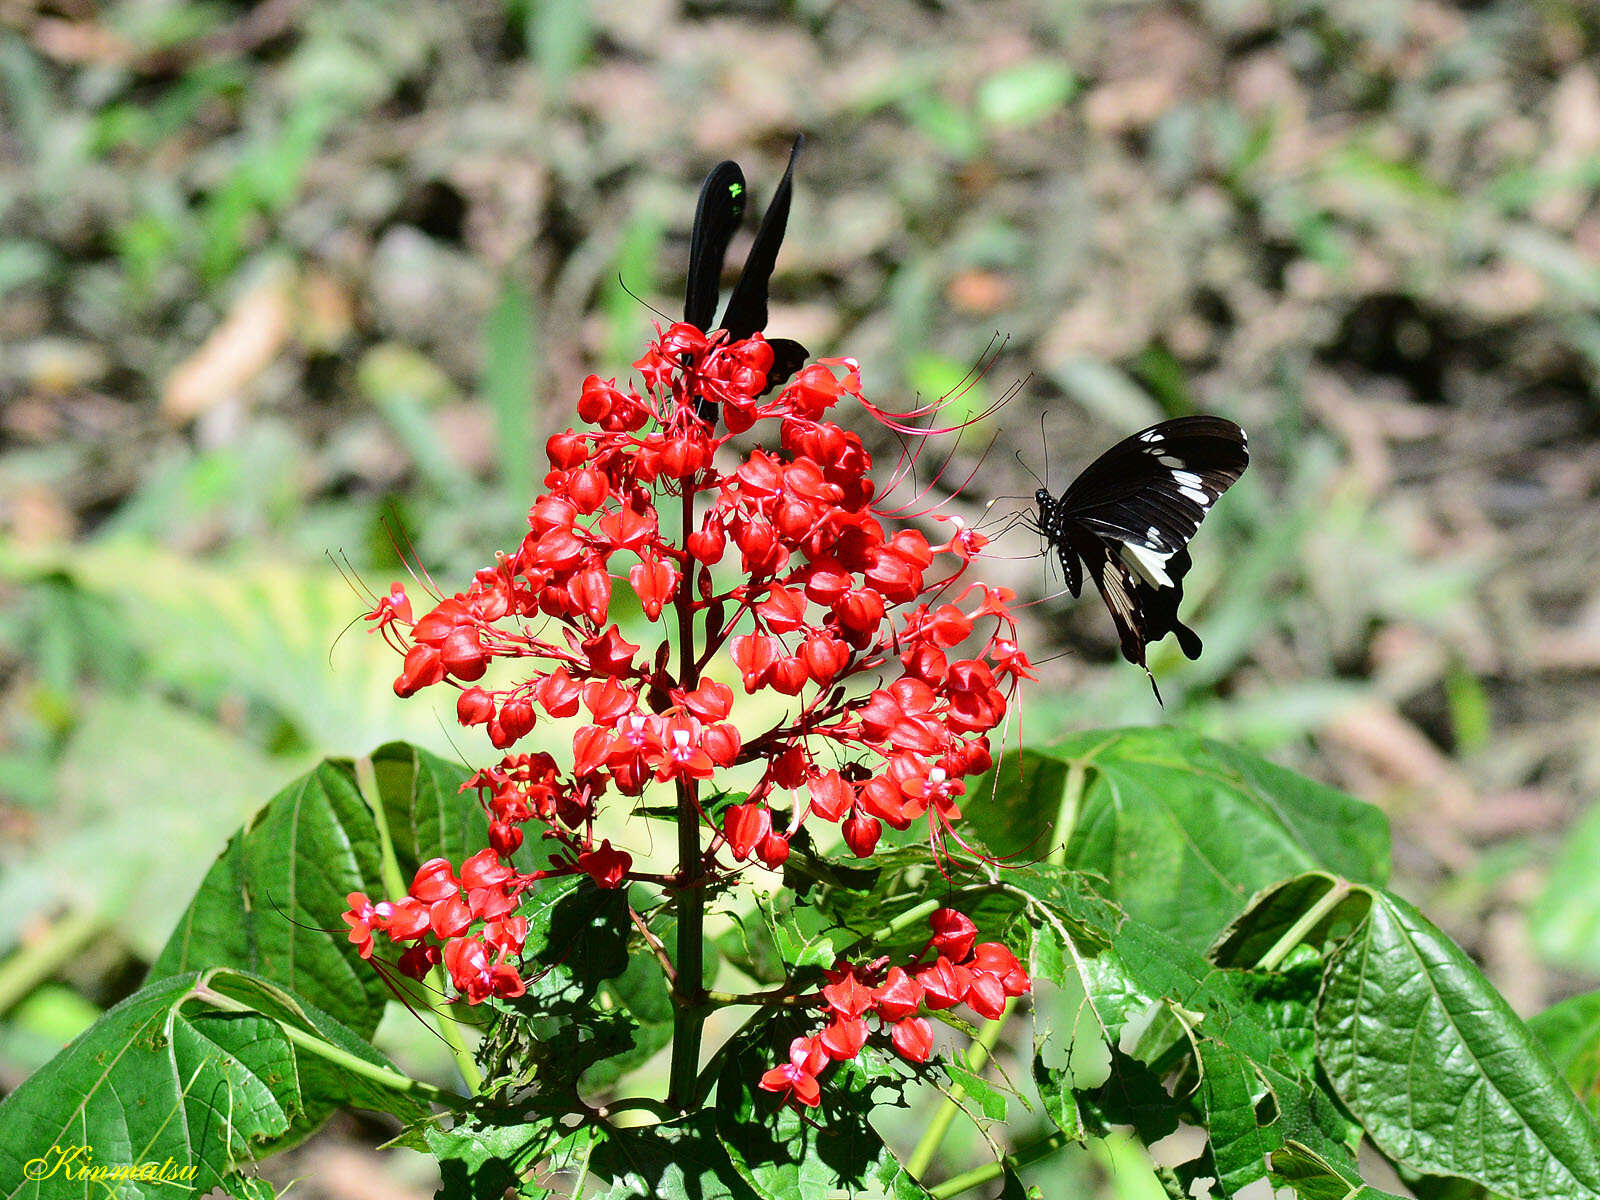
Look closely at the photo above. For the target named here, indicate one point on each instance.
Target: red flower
(449, 917)
(363, 919)
(773, 851)
(953, 934)
(847, 998)
(861, 834)
(883, 690)
(474, 706)
(418, 960)
(655, 584)
(408, 918)
(745, 825)
(844, 1038)
(435, 880)
(797, 1078)
(606, 866)
(913, 1038)
(423, 666)
(558, 693)
(944, 983)
(475, 977)
(831, 796)
(899, 997)
(610, 653)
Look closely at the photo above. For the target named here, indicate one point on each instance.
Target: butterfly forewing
(716, 217)
(1129, 517)
(1164, 478)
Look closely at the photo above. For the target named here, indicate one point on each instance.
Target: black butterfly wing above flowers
(722, 202)
(1129, 517)
(716, 218)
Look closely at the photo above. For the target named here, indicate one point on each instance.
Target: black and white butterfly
(1128, 519)
(716, 218)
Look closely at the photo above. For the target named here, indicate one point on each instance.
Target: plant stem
(1020, 1157)
(394, 884)
(655, 945)
(911, 916)
(983, 1045)
(780, 997)
(41, 957)
(382, 1076)
(977, 1054)
(1335, 896)
(1067, 813)
(688, 988)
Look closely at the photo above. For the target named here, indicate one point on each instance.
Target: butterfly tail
(1188, 639)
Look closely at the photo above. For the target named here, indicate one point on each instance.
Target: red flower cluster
(774, 562)
(983, 976)
(457, 920)
(823, 595)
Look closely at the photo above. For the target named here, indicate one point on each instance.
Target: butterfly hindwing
(1129, 517)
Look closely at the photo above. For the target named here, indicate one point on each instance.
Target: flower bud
(861, 834)
(474, 706)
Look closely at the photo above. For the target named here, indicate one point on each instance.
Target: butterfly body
(1127, 519)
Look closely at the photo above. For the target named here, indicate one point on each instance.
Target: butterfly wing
(716, 217)
(721, 207)
(747, 306)
(1129, 516)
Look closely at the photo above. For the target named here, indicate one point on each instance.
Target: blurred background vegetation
(285, 285)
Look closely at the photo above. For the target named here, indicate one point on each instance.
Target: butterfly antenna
(1045, 442)
(623, 284)
(1031, 471)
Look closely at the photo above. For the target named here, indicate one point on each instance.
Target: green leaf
(324, 1086)
(567, 1022)
(643, 993)
(1570, 1031)
(1314, 1178)
(1282, 910)
(1439, 1070)
(676, 1160)
(164, 1075)
(490, 1149)
(1181, 1013)
(1185, 829)
(1235, 1097)
(427, 813)
(270, 900)
(825, 1152)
